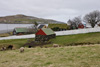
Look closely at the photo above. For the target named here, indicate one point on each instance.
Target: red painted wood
(40, 32)
(81, 26)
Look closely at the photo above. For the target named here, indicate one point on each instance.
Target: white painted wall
(78, 31)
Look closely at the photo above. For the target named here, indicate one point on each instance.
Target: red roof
(81, 26)
(45, 31)
(40, 32)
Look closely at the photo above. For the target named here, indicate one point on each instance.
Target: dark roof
(41, 26)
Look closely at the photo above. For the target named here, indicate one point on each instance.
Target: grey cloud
(60, 10)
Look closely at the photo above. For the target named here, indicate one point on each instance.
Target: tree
(35, 23)
(56, 29)
(75, 22)
(35, 26)
(92, 18)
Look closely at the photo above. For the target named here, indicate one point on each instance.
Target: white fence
(18, 37)
(79, 31)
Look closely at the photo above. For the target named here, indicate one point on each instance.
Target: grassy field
(61, 40)
(6, 34)
(71, 56)
(17, 43)
(78, 38)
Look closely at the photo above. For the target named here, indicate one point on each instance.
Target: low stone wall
(44, 37)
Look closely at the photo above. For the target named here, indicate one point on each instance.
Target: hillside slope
(81, 56)
(25, 19)
(78, 39)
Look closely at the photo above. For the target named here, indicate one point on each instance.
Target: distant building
(98, 24)
(69, 22)
(40, 26)
(20, 31)
(23, 30)
(81, 26)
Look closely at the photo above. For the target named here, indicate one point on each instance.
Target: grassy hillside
(68, 40)
(76, 56)
(78, 38)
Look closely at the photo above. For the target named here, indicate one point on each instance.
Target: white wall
(78, 31)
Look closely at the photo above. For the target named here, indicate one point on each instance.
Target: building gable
(45, 31)
(81, 26)
(40, 32)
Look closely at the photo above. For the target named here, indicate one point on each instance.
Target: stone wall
(44, 37)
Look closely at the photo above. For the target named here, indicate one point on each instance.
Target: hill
(23, 19)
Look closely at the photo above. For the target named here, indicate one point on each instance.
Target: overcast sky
(60, 10)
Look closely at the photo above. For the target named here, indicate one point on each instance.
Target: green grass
(6, 34)
(63, 26)
(17, 43)
(61, 40)
(72, 56)
(78, 38)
